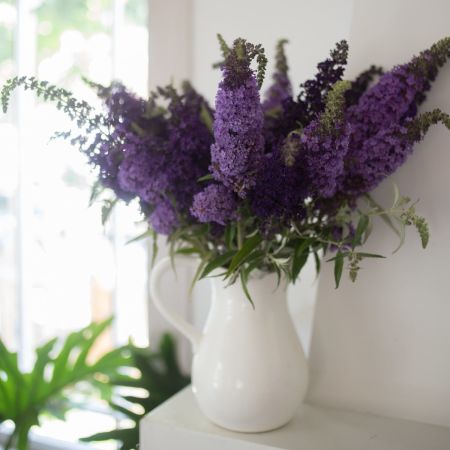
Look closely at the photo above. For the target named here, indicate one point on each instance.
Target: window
(59, 267)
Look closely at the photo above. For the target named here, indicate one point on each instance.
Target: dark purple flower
(280, 190)
(313, 92)
(188, 147)
(361, 83)
(323, 156)
(216, 204)
(164, 219)
(143, 169)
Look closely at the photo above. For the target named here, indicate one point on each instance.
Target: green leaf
(187, 251)
(144, 235)
(230, 234)
(249, 245)
(300, 257)
(24, 396)
(107, 208)
(338, 267)
(244, 279)
(384, 217)
(217, 262)
(396, 195)
(402, 235)
(97, 189)
(206, 117)
(370, 255)
(363, 223)
(196, 276)
(154, 247)
(207, 177)
(317, 262)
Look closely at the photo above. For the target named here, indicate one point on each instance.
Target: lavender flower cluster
(266, 159)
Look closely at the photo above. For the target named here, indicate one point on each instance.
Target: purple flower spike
(239, 143)
(281, 89)
(238, 125)
(163, 219)
(216, 204)
(324, 158)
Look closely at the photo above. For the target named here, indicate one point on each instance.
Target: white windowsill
(313, 428)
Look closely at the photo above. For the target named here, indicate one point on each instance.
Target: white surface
(249, 371)
(179, 425)
(382, 345)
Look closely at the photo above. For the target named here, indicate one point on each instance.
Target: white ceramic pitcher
(249, 372)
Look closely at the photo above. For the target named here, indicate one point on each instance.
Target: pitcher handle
(174, 318)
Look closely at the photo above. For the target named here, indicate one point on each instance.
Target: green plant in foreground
(25, 396)
(160, 376)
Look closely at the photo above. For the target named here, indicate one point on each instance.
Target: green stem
(240, 235)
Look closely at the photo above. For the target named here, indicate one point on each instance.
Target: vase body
(249, 372)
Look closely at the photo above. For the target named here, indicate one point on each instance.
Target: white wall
(312, 27)
(383, 344)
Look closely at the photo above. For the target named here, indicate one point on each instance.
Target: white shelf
(179, 425)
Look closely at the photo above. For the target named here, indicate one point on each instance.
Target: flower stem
(240, 237)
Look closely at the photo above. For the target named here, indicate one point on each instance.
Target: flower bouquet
(253, 187)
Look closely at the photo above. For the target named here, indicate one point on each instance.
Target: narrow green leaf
(97, 189)
(363, 223)
(396, 195)
(206, 117)
(244, 279)
(154, 247)
(370, 255)
(338, 267)
(230, 234)
(300, 257)
(338, 255)
(207, 177)
(217, 262)
(384, 217)
(402, 235)
(317, 261)
(141, 236)
(187, 251)
(196, 277)
(248, 246)
(107, 209)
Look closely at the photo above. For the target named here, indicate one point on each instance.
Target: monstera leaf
(25, 396)
(160, 376)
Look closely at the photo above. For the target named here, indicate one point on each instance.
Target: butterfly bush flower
(324, 156)
(238, 122)
(215, 203)
(166, 164)
(164, 219)
(281, 88)
(189, 145)
(280, 190)
(313, 92)
(143, 169)
(379, 117)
